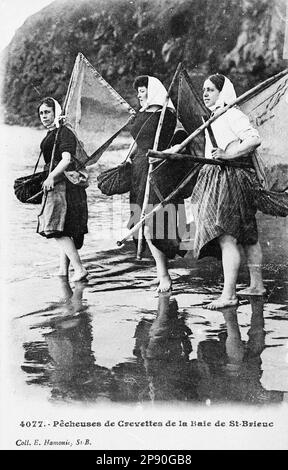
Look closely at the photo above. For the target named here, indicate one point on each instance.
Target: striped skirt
(223, 202)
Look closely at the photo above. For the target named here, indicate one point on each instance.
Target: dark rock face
(126, 38)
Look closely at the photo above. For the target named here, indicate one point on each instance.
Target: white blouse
(230, 127)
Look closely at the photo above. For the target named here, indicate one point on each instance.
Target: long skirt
(64, 212)
(223, 202)
(167, 226)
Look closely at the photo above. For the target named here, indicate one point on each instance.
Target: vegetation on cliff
(125, 38)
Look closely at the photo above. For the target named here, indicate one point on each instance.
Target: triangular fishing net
(94, 111)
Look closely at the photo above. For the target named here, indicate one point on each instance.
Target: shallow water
(28, 253)
(111, 339)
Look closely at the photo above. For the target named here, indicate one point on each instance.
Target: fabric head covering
(156, 94)
(227, 95)
(218, 79)
(57, 113)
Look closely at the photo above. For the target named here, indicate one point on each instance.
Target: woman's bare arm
(49, 183)
(237, 149)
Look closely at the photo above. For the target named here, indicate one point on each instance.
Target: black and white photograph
(144, 226)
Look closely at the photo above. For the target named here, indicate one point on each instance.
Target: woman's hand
(57, 174)
(219, 154)
(175, 149)
(155, 160)
(49, 183)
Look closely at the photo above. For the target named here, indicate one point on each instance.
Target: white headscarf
(156, 94)
(227, 95)
(57, 113)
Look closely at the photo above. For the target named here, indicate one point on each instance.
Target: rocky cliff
(125, 38)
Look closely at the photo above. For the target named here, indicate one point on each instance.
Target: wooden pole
(150, 169)
(204, 161)
(192, 136)
(238, 100)
(160, 205)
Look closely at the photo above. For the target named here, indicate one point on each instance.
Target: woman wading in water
(64, 211)
(223, 198)
(161, 232)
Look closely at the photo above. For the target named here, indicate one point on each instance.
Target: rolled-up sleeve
(240, 125)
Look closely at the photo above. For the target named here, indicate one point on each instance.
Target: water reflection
(223, 367)
(230, 368)
(64, 360)
(162, 370)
